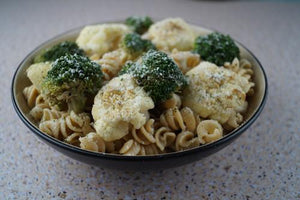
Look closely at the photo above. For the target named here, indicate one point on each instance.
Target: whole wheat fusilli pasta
(112, 62)
(37, 111)
(185, 60)
(144, 135)
(93, 142)
(183, 119)
(74, 139)
(132, 148)
(50, 114)
(243, 68)
(66, 125)
(164, 137)
(31, 94)
(186, 140)
(151, 149)
(209, 131)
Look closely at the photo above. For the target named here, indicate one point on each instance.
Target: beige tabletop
(261, 164)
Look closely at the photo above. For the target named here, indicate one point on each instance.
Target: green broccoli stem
(77, 103)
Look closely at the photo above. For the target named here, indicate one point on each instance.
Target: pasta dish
(140, 87)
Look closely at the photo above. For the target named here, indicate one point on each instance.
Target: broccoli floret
(71, 81)
(139, 24)
(127, 68)
(57, 51)
(135, 45)
(158, 75)
(216, 48)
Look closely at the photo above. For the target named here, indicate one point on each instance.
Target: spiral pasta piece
(50, 114)
(176, 119)
(144, 135)
(78, 122)
(37, 111)
(132, 148)
(151, 149)
(31, 93)
(74, 139)
(66, 125)
(209, 131)
(52, 128)
(247, 72)
(112, 62)
(172, 118)
(246, 69)
(185, 60)
(233, 66)
(174, 101)
(164, 137)
(35, 102)
(243, 68)
(92, 142)
(186, 140)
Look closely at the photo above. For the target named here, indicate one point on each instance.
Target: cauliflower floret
(171, 33)
(217, 93)
(121, 103)
(37, 72)
(98, 39)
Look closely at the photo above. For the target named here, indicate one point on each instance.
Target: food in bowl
(140, 88)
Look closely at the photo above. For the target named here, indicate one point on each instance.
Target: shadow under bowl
(157, 162)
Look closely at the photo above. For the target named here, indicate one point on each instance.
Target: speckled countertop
(262, 164)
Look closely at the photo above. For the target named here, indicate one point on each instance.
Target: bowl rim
(109, 156)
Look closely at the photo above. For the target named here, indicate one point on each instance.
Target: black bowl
(113, 161)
